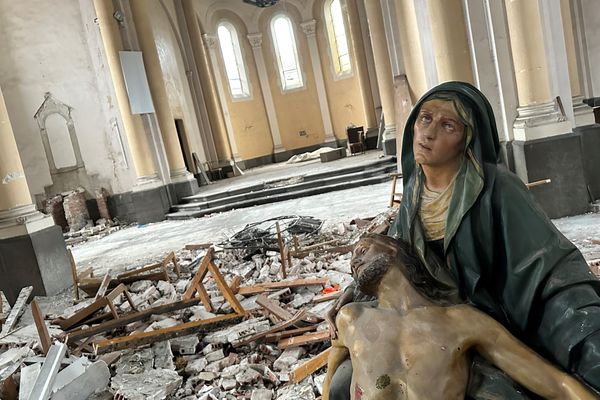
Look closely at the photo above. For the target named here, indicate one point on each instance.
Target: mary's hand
(331, 314)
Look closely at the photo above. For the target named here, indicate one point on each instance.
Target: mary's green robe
(503, 255)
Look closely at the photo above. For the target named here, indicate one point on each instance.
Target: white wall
(44, 48)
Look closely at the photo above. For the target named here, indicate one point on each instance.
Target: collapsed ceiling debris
(206, 322)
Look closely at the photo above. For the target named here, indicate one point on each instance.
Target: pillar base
(179, 190)
(37, 259)
(538, 121)
(558, 158)
(584, 114)
(590, 143)
(141, 206)
(389, 140)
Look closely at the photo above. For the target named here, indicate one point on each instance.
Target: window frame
(332, 41)
(277, 58)
(242, 69)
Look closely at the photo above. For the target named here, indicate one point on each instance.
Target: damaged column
(32, 247)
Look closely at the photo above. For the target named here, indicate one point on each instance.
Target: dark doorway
(187, 157)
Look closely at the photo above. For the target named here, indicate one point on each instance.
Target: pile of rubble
(205, 323)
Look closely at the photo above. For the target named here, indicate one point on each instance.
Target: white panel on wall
(60, 141)
(136, 82)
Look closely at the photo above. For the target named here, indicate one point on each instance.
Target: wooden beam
(281, 251)
(200, 246)
(186, 329)
(42, 329)
(97, 305)
(276, 337)
(104, 285)
(311, 366)
(225, 289)
(274, 307)
(279, 327)
(124, 320)
(265, 287)
(235, 284)
(304, 339)
(326, 297)
(90, 286)
(200, 274)
(74, 275)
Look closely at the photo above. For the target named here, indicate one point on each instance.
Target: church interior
(126, 109)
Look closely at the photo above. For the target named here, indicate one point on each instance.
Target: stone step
(198, 204)
(201, 197)
(196, 213)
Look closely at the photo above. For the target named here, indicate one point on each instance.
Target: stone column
(584, 114)
(383, 70)
(32, 247)
(544, 147)
(166, 122)
(209, 90)
(538, 115)
(139, 146)
(256, 43)
(450, 44)
(310, 30)
(211, 43)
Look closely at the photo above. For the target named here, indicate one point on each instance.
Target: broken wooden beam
(276, 337)
(91, 285)
(326, 297)
(124, 320)
(97, 305)
(42, 329)
(282, 251)
(104, 285)
(17, 309)
(188, 328)
(269, 286)
(74, 275)
(308, 338)
(277, 328)
(273, 307)
(200, 246)
(310, 367)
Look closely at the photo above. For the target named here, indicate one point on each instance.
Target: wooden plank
(279, 327)
(281, 251)
(17, 309)
(104, 285)
(200, 246)
(124, 320)
(74, 275)
(273, 307)
(204, 297)
(265, 287)
(225, 290)
(97, 305)
(186, 329)
(86, 273)
(139, 271)
(310, 367)
(235, 284)
(276, 337)
(538, 183)
(90, 286)
(326, 297)
(199, 276)
(304, 339)
(42, 329)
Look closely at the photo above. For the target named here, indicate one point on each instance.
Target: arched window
(233, 61)
(338, 40)
(286, 52)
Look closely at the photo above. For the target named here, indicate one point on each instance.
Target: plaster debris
(213, 336)
(13, 176)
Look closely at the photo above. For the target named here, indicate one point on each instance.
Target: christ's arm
(496, 344)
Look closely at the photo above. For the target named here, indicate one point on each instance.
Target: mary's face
(439, 135)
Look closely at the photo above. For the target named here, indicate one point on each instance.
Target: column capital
(210, 41)
(255, 40)
(309, 27)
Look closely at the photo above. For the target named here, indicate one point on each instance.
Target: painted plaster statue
(480, 235)
(411, 344)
